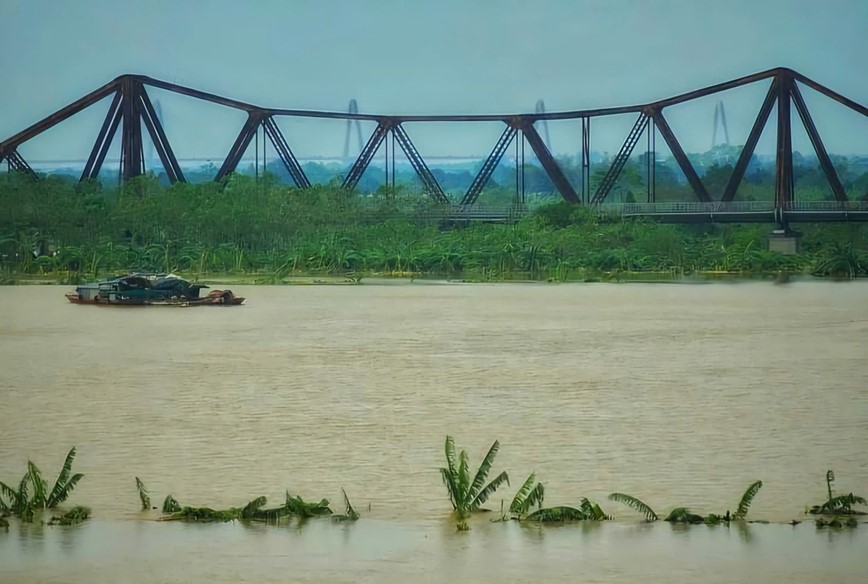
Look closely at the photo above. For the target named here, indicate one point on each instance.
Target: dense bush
(57, 226)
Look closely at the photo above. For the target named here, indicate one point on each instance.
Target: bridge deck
(736, 212)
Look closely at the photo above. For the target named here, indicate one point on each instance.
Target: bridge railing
(510, 213)
(460, 213)
(732, 207)
(688, 207)
(826, 206)
(477, 211)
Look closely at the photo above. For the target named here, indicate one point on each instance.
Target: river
(680, 394)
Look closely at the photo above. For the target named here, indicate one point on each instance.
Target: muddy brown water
(679, 394)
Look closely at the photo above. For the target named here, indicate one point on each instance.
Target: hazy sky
(447, 56)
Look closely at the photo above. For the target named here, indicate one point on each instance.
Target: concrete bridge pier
(783, 239)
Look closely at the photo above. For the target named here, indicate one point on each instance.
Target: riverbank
(381, 279)
(267, 233)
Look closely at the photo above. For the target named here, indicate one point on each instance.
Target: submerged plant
(298, 506)
(17, 502)
(254, 510)
(683, 514)
(206, 514)
(592, 511)
(33, 494)
(350, 514)
(143, 494)
(840, 505)
(830, 478)
(170, 505)
(527, 496)
(63, 486)
(636, 504)
(746, 500)
(559, 513)
(587, 511)
(836, 522)
(295, 506)
(72, 517)
(467, 496)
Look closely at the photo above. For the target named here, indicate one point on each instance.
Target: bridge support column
(784, 240)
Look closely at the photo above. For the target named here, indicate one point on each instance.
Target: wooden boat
(146, 289)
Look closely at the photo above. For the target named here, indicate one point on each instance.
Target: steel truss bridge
(131, 110)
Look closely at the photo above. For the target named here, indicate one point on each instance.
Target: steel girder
(385, 127)
(432, 187)
(747, 150)
(680, 156)
(60, 115)
(367, 154)
(784, 156)
(285, 153)
(548, 162)
(158, 137)
(620, 160)
(248, 131)
(484, 174)
(586, 160)
(132, 154)
(103, 139)
(817, 143)
(17, 163)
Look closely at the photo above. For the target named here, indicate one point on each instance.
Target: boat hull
(207, 301)
(150, 289)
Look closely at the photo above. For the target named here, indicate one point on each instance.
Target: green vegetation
(527, 496)
(72, 517)
(467, 497)
(33, 496)
(254, 510)
(587, 511)
(746, 500)
(683, 514)
(143, 495)
(170, 505)
(636, 504)
(533, 493)
(265, 232)
(838, 505)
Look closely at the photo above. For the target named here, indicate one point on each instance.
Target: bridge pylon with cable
(353, 108)
(719, 123)
(540, 108)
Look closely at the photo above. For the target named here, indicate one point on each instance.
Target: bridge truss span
(131, 111)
